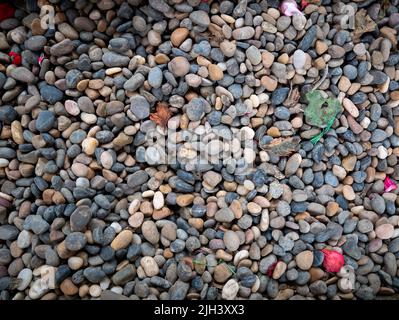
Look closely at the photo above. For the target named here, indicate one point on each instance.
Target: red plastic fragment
(304, 4)
(389, 185)
(40, 59)
(270, 270)
(333, 260)
(15, 58)
(6, 11)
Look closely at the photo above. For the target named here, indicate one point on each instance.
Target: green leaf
(320, 111)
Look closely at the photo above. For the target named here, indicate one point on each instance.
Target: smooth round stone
(365, 226)
(24, 239)
(282, 113)
(35, 43)
(279, 96)
(25, 276)
(150, 266)
(113, 59)
(8, 114)
(155, 77)
(200, 18)
(384, 231)
(139, 23)
(215, 73)
(350, 72)
(106, 159)
(22, 74)
(378, 203)
(122, 240)
(75, 241)
(231, 240)
(134, 83)
(51, 94)
(299, 59)
(75, 263)
(150, 231)
(299, 21)
(158, 200)
(224, 215)
(178, 36)
(243, 33)
(304, 260)
(254, 55)
(179, 66)
(196, 109)
(45, 121)
(230, 290)
(140, 107)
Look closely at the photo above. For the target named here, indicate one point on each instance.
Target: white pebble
(104, 284)
(249, 155)
(148, 194)
(117, 290)
(116, 226)
(158, 200)
(134, 206)
(95, 290)
(230, 290)
(382, 152)
(4, 163)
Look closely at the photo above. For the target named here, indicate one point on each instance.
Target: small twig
(318, 83)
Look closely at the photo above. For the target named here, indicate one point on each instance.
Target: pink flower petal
(289, 8)
(389, 185)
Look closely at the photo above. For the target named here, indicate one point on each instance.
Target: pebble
(75, 241)
(304, 260)
(122, 240)
(150, 232)
(231, 240)
(245, 203)
(149, 266)
(22, 74)
(384, 231)
(179, 66)
(140, 107)
(178, 36)
(230, 290)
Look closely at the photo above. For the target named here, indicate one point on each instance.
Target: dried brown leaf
(162, 115)
(363, 24)
(284, 146)
(293, 97)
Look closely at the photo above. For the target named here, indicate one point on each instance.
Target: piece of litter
(389, 185)
(333, 260)
(289, 8)
(15, 58)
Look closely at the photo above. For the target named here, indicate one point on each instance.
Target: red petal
(333, 260)
(15, 58)
(270, 270)
(6, 11)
